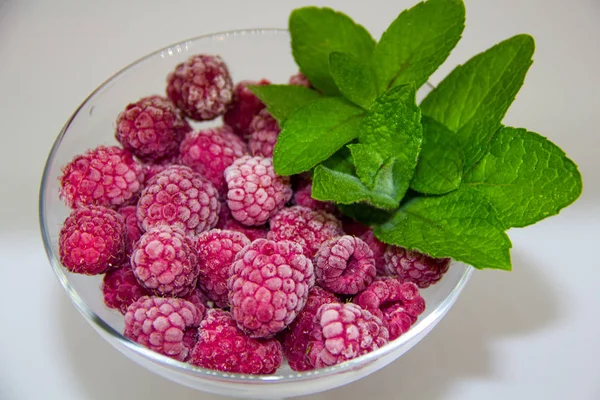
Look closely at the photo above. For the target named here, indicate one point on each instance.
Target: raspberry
(268, 286)
(345, 265)
(164, 260)
(354, 228)
(180, 197)
(300, 80)
(307, 227)
(151, 128)
(378, 248)
(120, 288)
(245, 106)
(160, 324)
(210, 151)
(224, 347)
(412, 266)
(198, 298)
(92, 240)
(131, 226)
(255, 191)
(303, 197)
(227, 222)
(264, 131)
(216, 251)
(155, 167)
(397, 304)
(201, 87)
(343, 332)
(104, 176)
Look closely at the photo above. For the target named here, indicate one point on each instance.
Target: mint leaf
(317, 32)
(282, 100)
(525, 177)
(418, 42)
(314, 132)
(474, 98)
(365, 213)
(441, 160)
(354, 78)
(341, 161)
(460, 225)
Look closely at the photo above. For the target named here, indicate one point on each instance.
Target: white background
(530, 334)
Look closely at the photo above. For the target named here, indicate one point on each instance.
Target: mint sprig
(283, 100)
(354, 78)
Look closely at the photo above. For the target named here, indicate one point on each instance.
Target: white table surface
(530, 334)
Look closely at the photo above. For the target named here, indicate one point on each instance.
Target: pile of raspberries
(214, 259)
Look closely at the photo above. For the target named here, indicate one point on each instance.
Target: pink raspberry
(303, 197)
(210, 151)
(268, 286)
(245, 106)
(216, 251)
(131, 225)
(224, 347)
(92, 240)
(412, 266)
(180, 197)
(307, 227)
(227, 222)
(354, 228)
(255, 191)
(397, 304)
(153, 168)
(151, 128)
(343, 332)
(104, 176)
(378, 248)
(198, 298)
(201, 87)
(160, 324)
(300, 80)
(264, 131)
(345, 265)
(120, 288)
(164, 260)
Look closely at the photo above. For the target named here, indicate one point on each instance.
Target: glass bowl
(250, 54)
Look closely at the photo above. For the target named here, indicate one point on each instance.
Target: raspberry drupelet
(264, 131)
(121, 288)
(131, 225)
(378, 248)
(244, 107)
(413, 266)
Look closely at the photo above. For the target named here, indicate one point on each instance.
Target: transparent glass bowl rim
(182, 367)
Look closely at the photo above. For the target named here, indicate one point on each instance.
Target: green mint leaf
(354, 78)
(418, 42)
(317, 32)
(474, 97)
(441, 160)
(341, 161)
(314, 132)
(460, 225)
(283, 100)
(365, 213)
(525, 177)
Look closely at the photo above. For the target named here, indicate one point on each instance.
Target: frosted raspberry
(160, 324)
(227, 222)
(151, 128)
(412, 266)
(224, 347)
(201, 87)
(131, 224)
(378, 248)
(155, 167)
(264, 131)
(353, 227)
(104, 176)
(92, 240)
(345, 265)
(216, 251)
(120, 288)
(300, 80)
(180, 197)
(397, 304)
(303, 197)
(198, 298)
(245, 106)
(255, 191)
(343, 332)
(268, 286)
(164, 261)
(210, 151)
(307, 227)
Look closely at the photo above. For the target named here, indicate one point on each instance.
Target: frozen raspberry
(92, 240)
(120, 288)
(343, 332)
(224, 347)
(353, 227)
(303, 197)
(104, 176)
(151, 128)
(164, 261)
(201, 87)
(160, 324)
(412, 266)
(198, 298)
(210, 151)
(307, 227)
(180, 197)
(190, 338)
(264, 131)
(131, 224)
(300, 80)
(378, 248)
(216, 251)
(245, 106)
(255, 191)
(397, 304)
(345, 265)
(155, 167)
(268, 286)
(227, 222)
